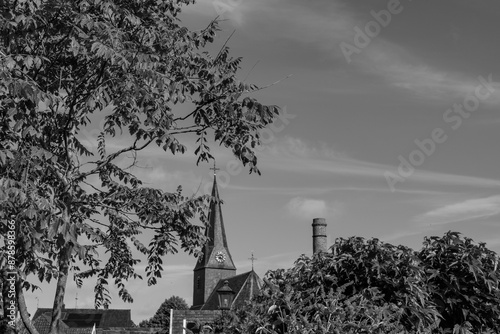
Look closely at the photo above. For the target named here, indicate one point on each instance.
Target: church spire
(216, 231)
(216, 234)
(216, 262)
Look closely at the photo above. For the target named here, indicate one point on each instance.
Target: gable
(244, 286)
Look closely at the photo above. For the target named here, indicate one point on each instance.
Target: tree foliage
(463, 279)
(64, 65)
(161, 319)
(365, 286)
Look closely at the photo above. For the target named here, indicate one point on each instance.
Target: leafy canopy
(365, 286)
(464, 281)
(65, 65)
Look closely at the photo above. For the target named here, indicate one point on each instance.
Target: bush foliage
(366, 286)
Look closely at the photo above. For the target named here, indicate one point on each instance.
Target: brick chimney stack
(319, 235)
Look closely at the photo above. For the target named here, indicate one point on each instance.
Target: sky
(389, 129)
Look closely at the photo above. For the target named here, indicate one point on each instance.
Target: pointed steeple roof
(216, 234)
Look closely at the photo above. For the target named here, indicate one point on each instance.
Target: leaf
(53, 229)
(3, 157)
(18, 125)
(31, 213)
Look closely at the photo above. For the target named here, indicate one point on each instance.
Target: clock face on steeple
(220, 257)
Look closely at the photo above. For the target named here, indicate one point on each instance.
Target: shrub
(365, 286)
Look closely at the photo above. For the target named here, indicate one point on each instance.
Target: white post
(184, 324)
(171, 321)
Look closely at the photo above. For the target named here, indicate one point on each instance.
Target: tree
(66, 63)
(365, 286)
(463, 280)
(161, 319)
(288, 312)
(361, 286)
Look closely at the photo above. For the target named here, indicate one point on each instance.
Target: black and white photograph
(249, 166)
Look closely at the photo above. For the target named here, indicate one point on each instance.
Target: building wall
(199, 287)
(208, 278)
(213, 276)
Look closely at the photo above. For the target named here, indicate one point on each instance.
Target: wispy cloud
(284, 190)
(453, 179)
(296, 147)
(462, 211)
(404, 70)
(323, 24)
(168, 179)
(298, 156)
(309, 208)
(235, 11)
(316, 191)
(279, 14)
(326, 24)
(295, 155)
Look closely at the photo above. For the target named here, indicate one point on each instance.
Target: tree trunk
(5, 292)
(21, 304)
(64, 262)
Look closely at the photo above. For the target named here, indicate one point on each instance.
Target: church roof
(81, 321)
(42, 325)
(245, 286)
(216, 234)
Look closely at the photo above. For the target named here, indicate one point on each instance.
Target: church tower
(216, 262)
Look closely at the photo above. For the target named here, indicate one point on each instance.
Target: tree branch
(111, 157)
(197, 108)
(274, 83)
(223, 45)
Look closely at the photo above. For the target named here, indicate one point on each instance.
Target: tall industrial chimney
(319, 235)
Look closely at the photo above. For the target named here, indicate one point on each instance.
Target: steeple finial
(215, 169)
(252, 258)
